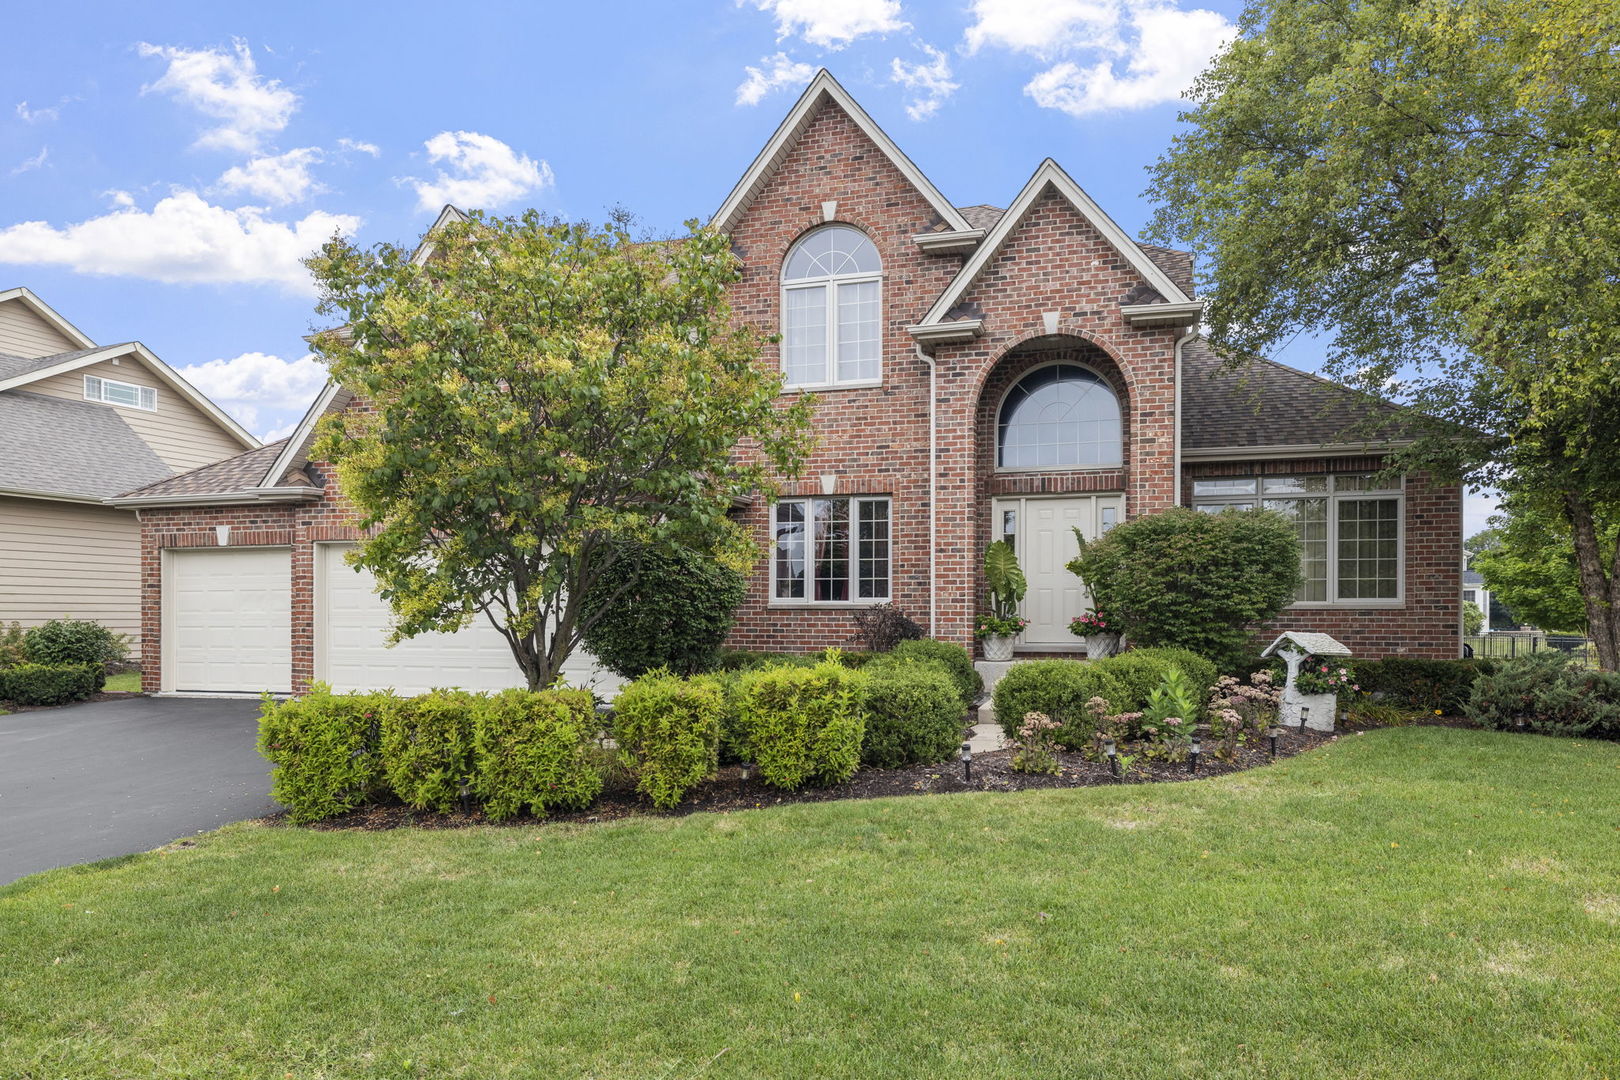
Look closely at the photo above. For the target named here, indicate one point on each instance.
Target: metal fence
(1511, 644)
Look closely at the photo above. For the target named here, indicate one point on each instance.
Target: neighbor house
(980, 373)
(79, 422)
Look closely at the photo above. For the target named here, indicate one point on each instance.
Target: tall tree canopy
(1528, 562)
(538, 391)
(1430, 184)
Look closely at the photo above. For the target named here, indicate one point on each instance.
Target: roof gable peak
(26, 297)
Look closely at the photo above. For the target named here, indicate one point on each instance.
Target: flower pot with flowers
(1319, 684)
(1005, 584)
(1100, 634)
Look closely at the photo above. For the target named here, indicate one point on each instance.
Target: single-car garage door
(228, 623)
(351, 651)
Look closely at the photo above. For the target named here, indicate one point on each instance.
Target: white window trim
(1334, 497)
(808, 601)
(830, 283)
(141, 392)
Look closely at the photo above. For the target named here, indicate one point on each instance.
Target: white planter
(1323, 709)
(1101, 646)
(998, 648)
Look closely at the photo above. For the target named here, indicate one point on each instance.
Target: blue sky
(164, 165)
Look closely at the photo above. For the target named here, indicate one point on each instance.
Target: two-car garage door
(230, 631)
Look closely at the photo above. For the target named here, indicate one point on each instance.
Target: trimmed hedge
(956, 660)
(324, 749)
(1545, 693)
(427, 748)
(668, 731)
(530, 750)
(663, 606)
(803, 725)
(914, 714)
(1060, 689)
(51, 684)
(1417, 683)
(1132, 668)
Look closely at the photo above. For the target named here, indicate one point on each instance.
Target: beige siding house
(79, 423)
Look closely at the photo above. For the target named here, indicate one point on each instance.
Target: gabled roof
(1051, 177)
(49, 314)
(1267, 406)
(234, 480)
(424, 250)
(52, 446)
(823, 90)
(45, 367)
(12, 366)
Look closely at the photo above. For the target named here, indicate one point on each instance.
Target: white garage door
(351, 633)
(229, 620)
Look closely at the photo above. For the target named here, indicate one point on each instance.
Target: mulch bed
(105, 695)
(729, 791)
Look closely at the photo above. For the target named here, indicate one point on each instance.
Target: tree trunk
(1600, 584)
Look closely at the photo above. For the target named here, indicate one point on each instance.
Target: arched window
(1058, 416)
(832, 309)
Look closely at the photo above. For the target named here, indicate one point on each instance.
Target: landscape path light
(1271, 738)
(1110, 751)
(967, 762)
(1196, 750)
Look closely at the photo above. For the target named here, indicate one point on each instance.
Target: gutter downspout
(933, 489)
(1192, 332)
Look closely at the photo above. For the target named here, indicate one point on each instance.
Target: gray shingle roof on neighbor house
(1265, 404)
(66, 447)
(12, 366)
(234, 474)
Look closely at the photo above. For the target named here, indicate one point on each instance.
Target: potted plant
(1099, 633)
(1317, 687)
(1004, 581)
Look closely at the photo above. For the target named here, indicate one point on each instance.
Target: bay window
(1349, 528)
(832, 550)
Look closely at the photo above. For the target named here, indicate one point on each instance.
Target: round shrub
(663, 607)
(427, 748)
(668, 731)
(955, 659)
(1544, 692)
(1198, 581)
(1200, 670)
(1138, 672)
(1060, 690)
(531, 749)
(51, 684)
(74, 641)
(325, 749)
(803, 725)
(914, 715)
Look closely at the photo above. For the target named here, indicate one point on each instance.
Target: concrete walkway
(106, 778)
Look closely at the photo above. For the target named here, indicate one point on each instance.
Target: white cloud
(484, 172)
(39, 116)
(1043, 28)
(181, 240)
(119, 198)
(831, 24)
(280, 178)
(34, 162)
(226, 86)
(266, 393)
(930, 82)
(1171, 48)
(777, 72)
(360, 147)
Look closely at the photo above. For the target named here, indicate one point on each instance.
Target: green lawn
(1412, 903)
(129, 681)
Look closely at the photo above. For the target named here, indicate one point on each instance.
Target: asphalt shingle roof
(12, 366)
(67, 447)
(1265, 404)
(223, 477)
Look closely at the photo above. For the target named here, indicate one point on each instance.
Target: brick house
(980, 372)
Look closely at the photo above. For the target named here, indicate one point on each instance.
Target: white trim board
(824, 89)
(49, 314)
(1050, 175)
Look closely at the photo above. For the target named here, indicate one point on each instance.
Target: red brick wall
(1428, 622)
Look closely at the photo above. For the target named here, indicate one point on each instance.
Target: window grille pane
(1243, 486)
(1060, 416)
(1369, 549)
(120, 393)
(1294, 485)
(148, 398)
(832, 251)
(1217, 507)
(874, 549)
(790, 542)
(92, 388)
(1363, 482)
(804, 336)
(831, 548)
(860, 334)
(1311, 526)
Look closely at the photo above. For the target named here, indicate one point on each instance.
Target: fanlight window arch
(1060, 416)
(832, 304)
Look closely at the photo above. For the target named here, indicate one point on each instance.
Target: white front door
(1041, 529)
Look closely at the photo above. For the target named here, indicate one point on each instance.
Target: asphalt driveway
(108, 778)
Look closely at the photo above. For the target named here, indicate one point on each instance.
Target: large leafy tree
(540, 392)
(1528, 561)
(1430, 184)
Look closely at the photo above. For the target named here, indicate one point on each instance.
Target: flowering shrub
(1109, 724)
(1092, 623)
(1318, 676)
(1035, 748)
(1237, 710)
(999, 626)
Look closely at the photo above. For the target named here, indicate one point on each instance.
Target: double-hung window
(1349, 528)
(832, 310)
(830, 550)
(114, 392)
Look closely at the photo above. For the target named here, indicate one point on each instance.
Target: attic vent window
(120, 393)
